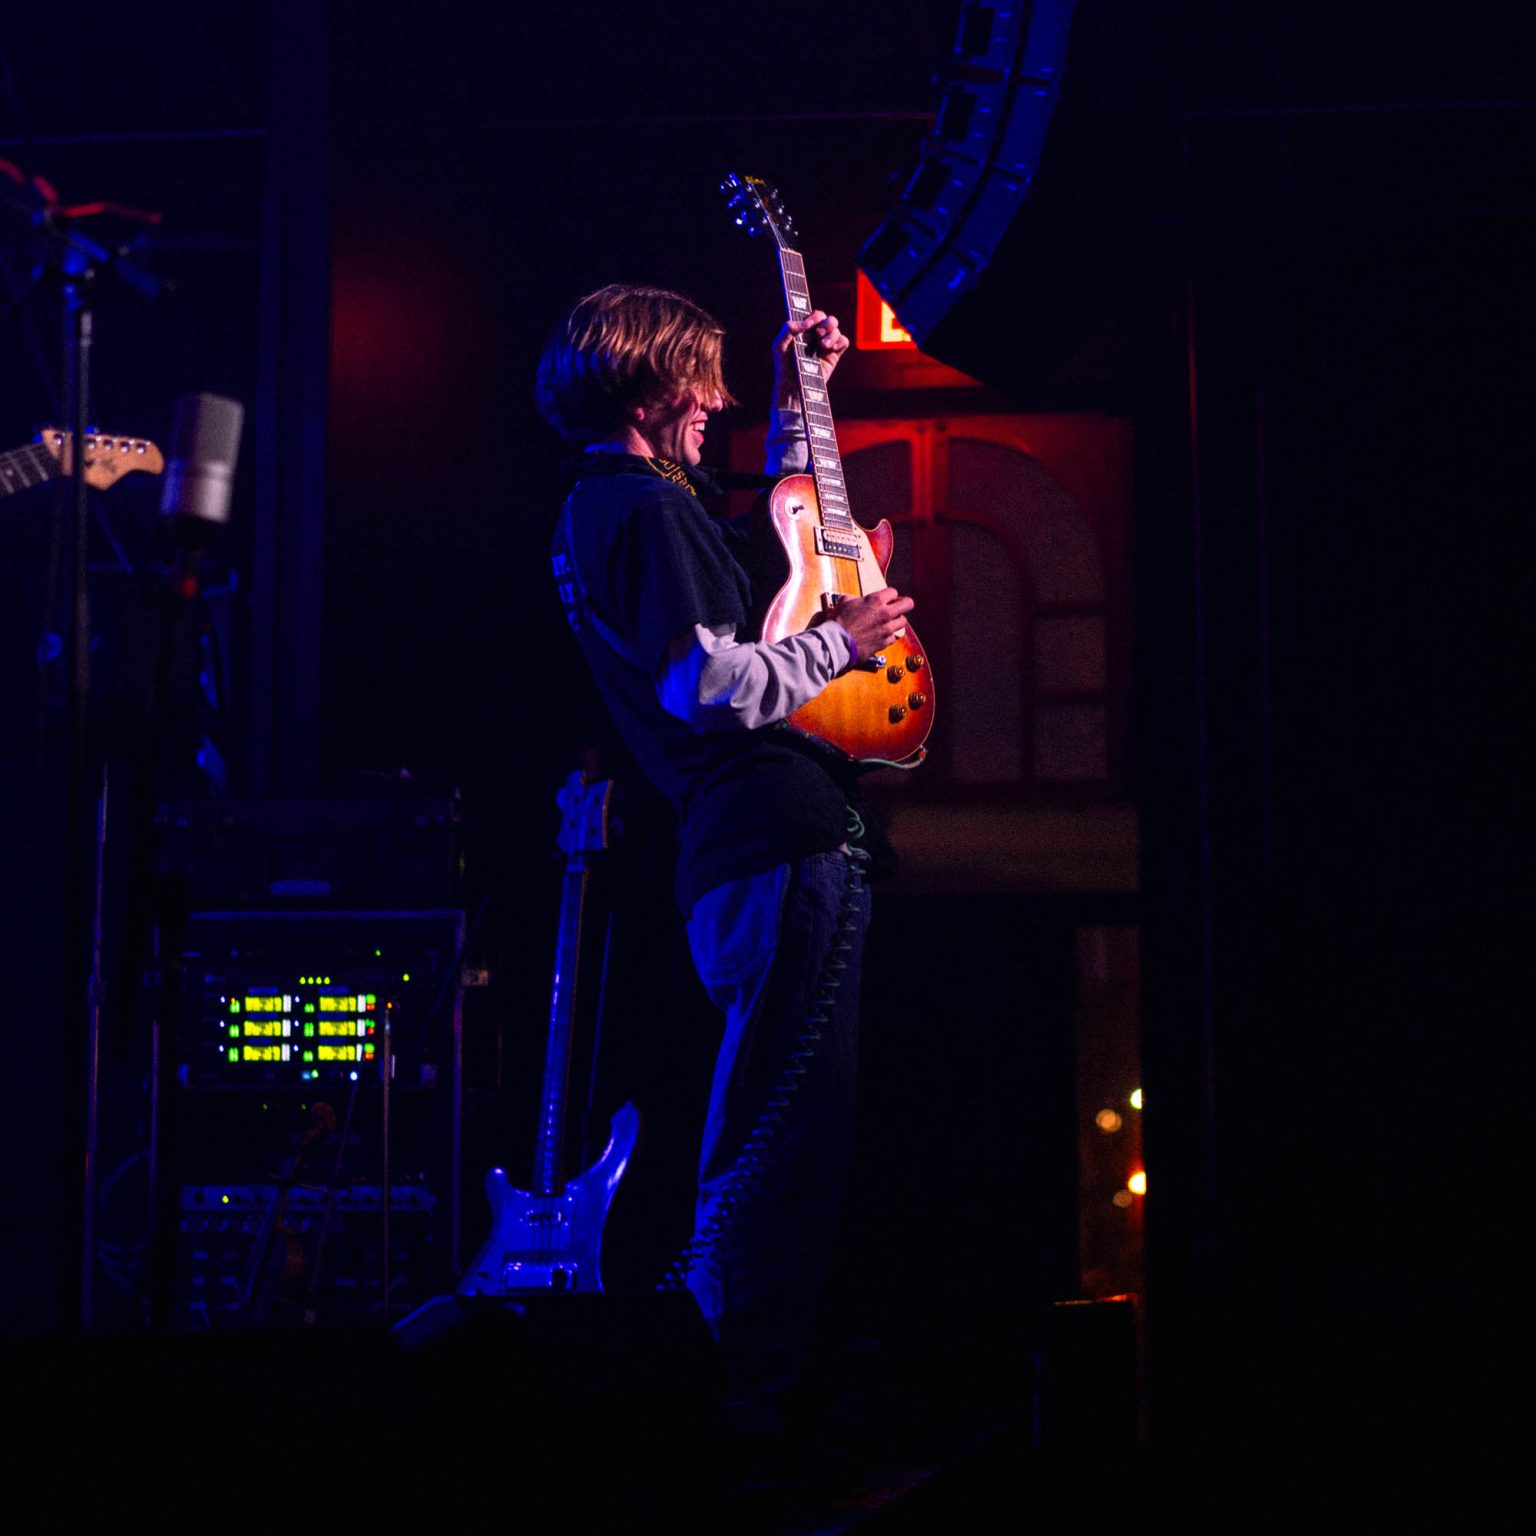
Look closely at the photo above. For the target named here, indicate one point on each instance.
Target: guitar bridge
(538, 1277)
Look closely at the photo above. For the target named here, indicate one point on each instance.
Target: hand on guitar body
(873, 622)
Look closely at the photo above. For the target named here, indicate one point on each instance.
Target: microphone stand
(78, 276)
(76, 259)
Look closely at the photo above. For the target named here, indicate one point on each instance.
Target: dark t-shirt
(639, 559)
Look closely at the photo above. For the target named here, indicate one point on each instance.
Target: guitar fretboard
(22, 467)
(826, 463)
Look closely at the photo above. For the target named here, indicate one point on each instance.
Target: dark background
(1290, 243)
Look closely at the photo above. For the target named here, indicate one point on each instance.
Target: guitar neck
(549, 1155)
(21, 468)
(826, 462)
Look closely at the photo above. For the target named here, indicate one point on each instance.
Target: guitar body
(551, 1242)
(879, 710)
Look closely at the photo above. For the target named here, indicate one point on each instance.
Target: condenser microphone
(200, 473)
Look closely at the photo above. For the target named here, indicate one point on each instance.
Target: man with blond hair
(773, 841)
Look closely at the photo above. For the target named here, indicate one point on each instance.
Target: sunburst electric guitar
(107, 460)
(882, 709)
(548, 1238)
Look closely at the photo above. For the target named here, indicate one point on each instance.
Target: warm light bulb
(1137, 1183)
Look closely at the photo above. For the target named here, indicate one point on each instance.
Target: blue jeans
(780, 953)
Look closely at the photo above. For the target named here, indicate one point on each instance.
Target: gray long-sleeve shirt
(714, 682)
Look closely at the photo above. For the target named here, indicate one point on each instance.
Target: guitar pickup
(839, 546)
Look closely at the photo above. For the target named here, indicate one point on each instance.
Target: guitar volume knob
(895, 674)
(915, 663)
(898, 713)
(917, 700)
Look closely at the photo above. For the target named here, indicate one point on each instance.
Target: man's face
(675, 428)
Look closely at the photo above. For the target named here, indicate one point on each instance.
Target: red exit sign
(877, 329)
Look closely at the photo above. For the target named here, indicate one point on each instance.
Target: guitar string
(832, 479)
(792, 266)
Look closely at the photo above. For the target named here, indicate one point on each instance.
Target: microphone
(200, 472)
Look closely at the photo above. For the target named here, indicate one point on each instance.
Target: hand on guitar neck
(825, 340)
(873, 622)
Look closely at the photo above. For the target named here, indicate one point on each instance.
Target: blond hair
(623, 347)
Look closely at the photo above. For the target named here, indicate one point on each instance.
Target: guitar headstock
(107, 459)
(583, 817)
(758, 208)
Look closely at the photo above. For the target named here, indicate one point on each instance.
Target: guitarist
(774, 842)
